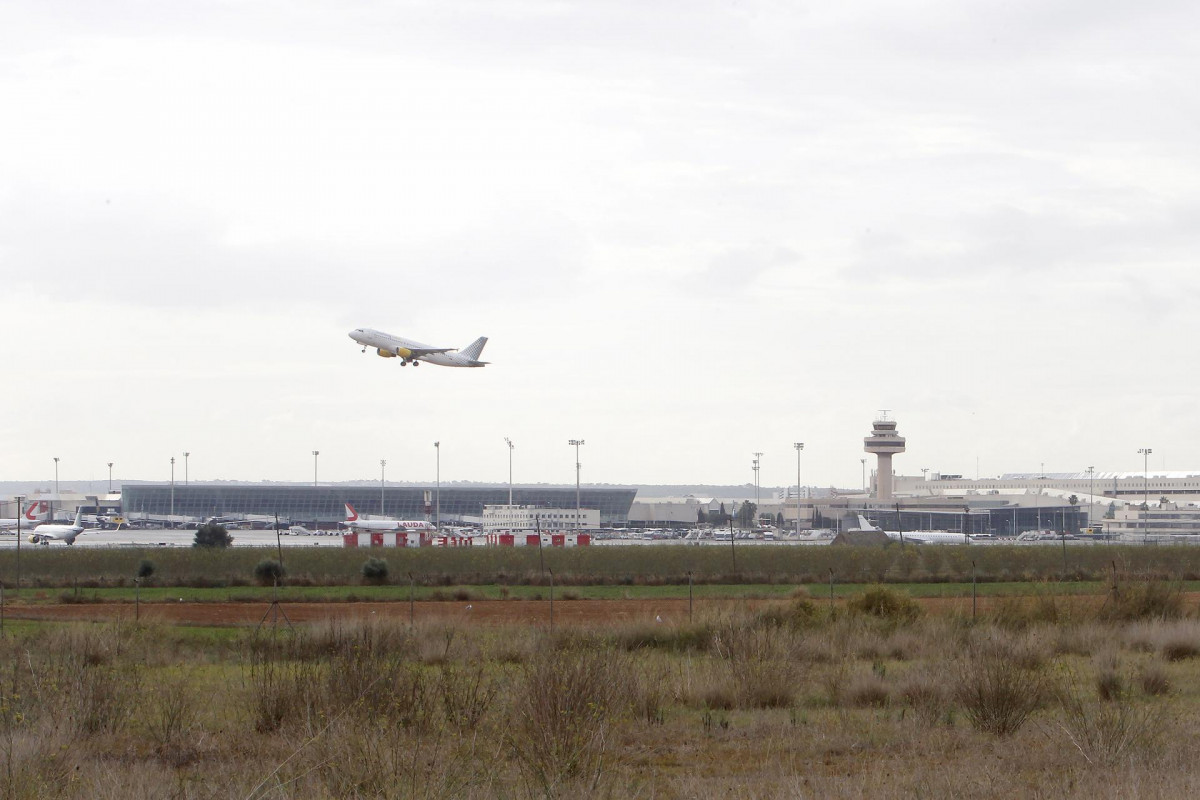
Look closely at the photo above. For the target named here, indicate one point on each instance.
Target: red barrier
(376, 540)
(585, 539)
(558, 540)
(507, 540)
(349, 540)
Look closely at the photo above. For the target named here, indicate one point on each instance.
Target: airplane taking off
(355, 524)
(46, 533)
(414, 353)
(32, 516)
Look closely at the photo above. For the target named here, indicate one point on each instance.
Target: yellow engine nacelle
(385, 353)
(404, 352)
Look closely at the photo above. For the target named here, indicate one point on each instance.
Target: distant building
(520, 518)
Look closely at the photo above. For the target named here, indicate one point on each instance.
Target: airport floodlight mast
(185, 467)
(172, 486)
(863, 461)
(110, 477)
(510, 449)
(1145, 454)
(799, 447)
(55, 479)
(382, 468)
(757, 493)
(20, 505)
(576, 443)
(437, 495)
(1091, 471)
(315, 454)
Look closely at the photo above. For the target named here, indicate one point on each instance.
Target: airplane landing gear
(364, 349)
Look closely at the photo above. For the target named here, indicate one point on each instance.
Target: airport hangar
(325, 505)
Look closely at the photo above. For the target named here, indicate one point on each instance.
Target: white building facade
(529, 518)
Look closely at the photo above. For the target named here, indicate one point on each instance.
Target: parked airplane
(32, 516)
(355, 524)
(46, 533)
(414, 353)
(918, 537)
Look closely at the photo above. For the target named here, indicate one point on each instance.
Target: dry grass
(754, 704)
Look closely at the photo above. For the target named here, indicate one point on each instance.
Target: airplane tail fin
(863, 525)
(351, 514)
(37, 510)
(474, 349)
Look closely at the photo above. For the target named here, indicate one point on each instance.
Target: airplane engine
(404, 352)
(385, 353)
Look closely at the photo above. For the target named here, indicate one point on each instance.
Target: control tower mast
(884, 442)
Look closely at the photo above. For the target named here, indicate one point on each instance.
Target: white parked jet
(46, 533)
(918, 537)
(355, 524)
(32, 516)
(414, 353)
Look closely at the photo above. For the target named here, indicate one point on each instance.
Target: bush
(375, 570)
(997, 688)
(268, 571)
(886, 604)
(145, 569)
(212, 535)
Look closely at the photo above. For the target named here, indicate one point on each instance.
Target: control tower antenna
(884, 442)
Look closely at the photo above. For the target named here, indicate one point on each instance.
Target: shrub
(268, 571)
(212, 535)
(886, 604)
(1144, 600)
(145, 569)
(375, 570)
(865, 691)
(1104, 733)
(1153, 679)
(998, 691)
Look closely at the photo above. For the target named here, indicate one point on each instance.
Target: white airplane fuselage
(46, 533)
(413, 352)
(354, 523)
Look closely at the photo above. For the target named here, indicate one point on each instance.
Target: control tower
(884, 442)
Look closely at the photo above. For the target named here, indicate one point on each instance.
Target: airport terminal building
(325, 505)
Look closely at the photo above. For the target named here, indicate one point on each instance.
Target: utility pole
(757, 494)
(1145, 453)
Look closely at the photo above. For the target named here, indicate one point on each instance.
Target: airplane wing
(417, 352)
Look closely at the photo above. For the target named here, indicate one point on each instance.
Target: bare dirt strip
(483, 612)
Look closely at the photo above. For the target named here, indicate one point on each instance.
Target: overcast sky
(691, 230)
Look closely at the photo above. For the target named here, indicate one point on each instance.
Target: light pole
(1091, 471)
(799, 447)
(757, 494)
(1145, 453)
(315, 454)
(508, 441)
(110, 477)
(20, 503)
(185, 468)
(575, 443)
(54, 507)
(172, 486)
(382, 468)
(437, 495)
(863, 461)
